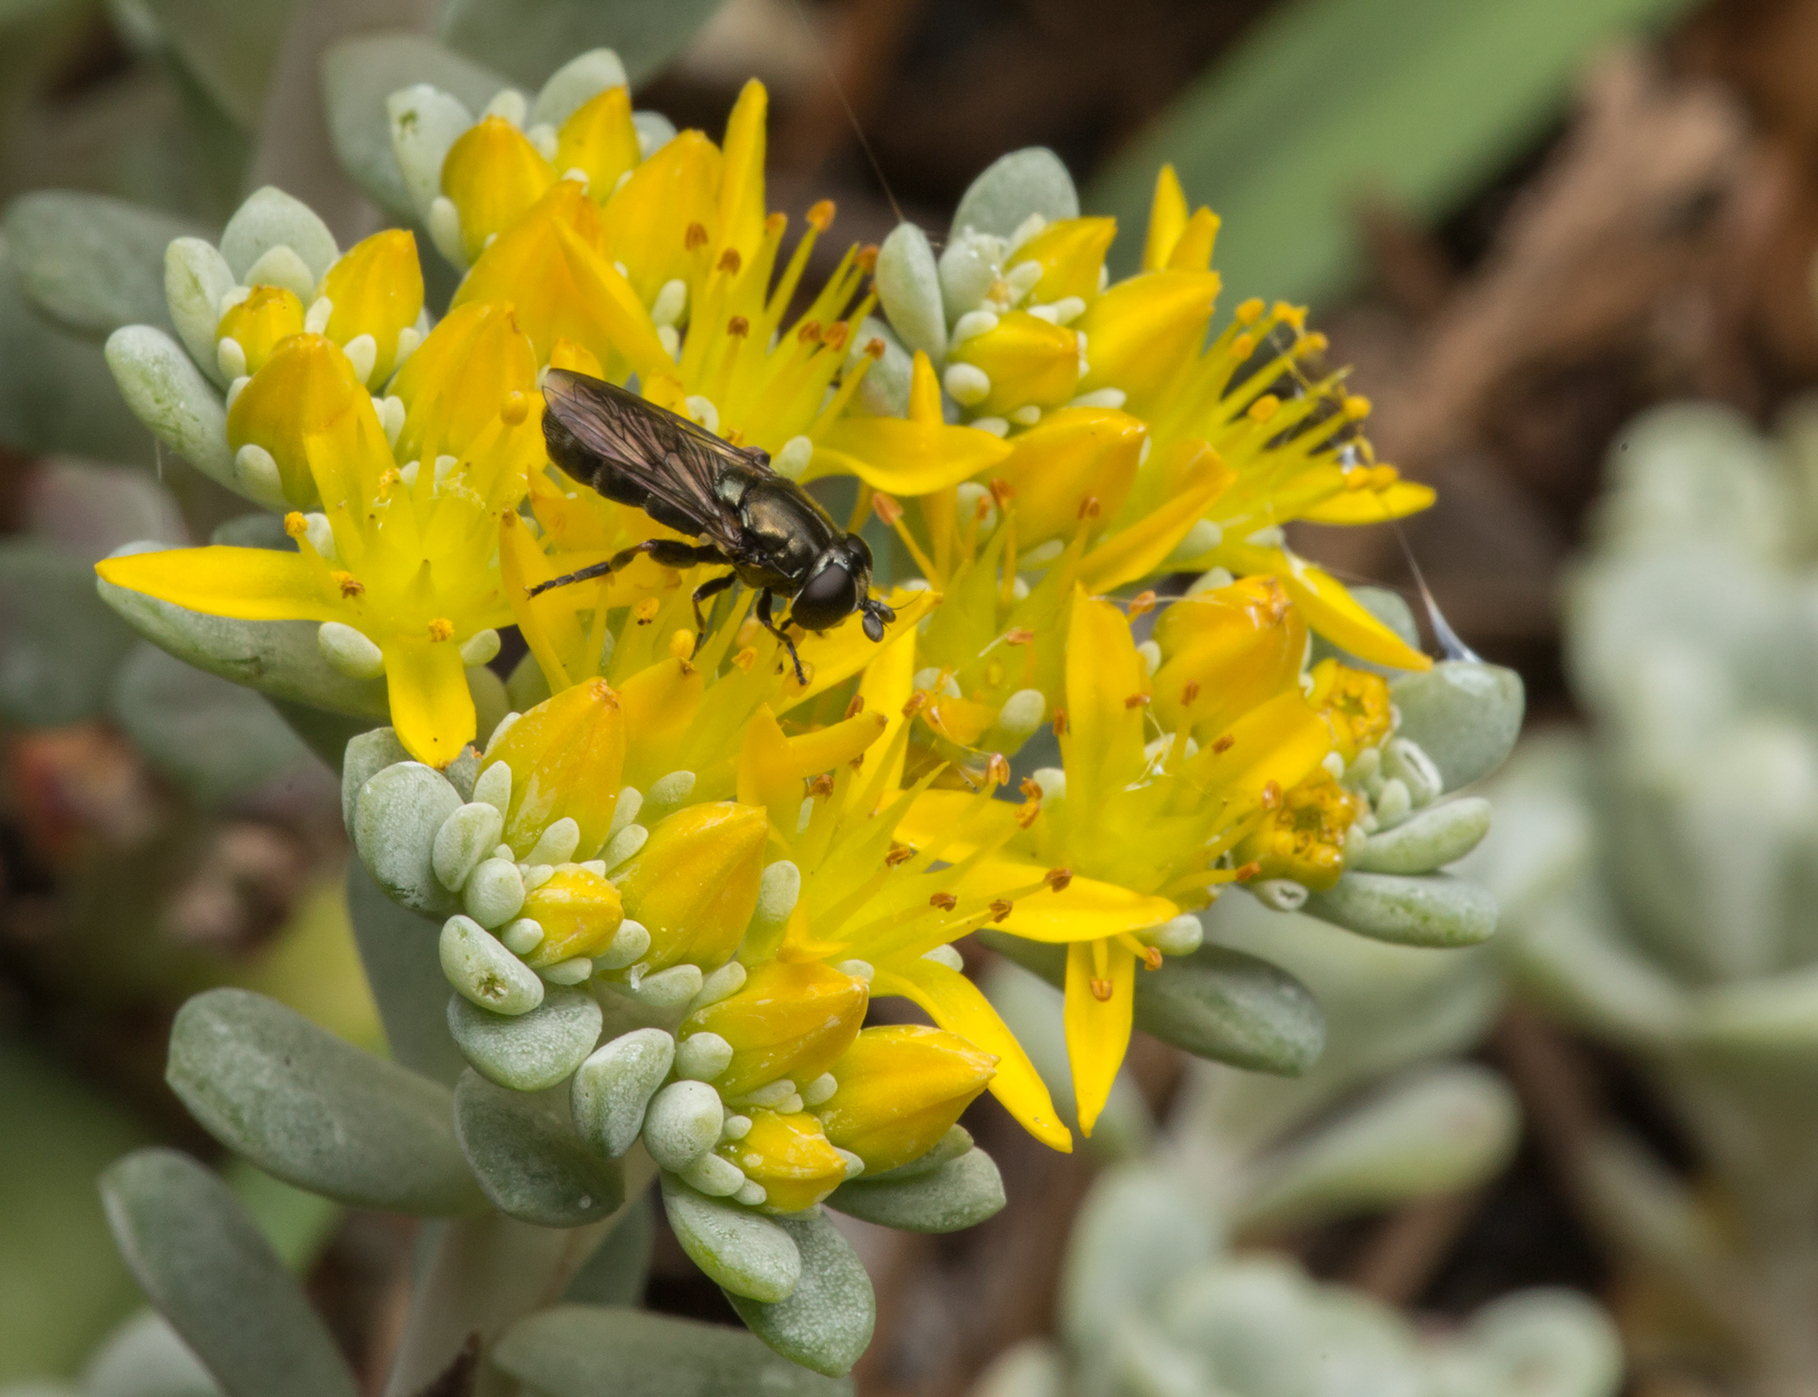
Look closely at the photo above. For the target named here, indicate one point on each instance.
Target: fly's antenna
(833, 81)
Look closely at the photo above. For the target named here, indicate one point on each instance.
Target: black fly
(762, 525)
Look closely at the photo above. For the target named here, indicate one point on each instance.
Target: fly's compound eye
(830, 596)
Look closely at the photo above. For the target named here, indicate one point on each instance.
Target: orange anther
(945, 901)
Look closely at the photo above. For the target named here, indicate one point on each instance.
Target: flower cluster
(675, 878)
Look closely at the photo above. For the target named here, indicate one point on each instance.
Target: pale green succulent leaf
(826, 1324)
(530, 1051)
(1436, 909)
(959, 1194)
(524, 1154)
(398, 953)
(1014, 186)
(89, 262)
(203, 1262)
(316, 1111)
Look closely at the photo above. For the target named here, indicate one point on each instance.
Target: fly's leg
(765, 598)
(713, 586)
(671, 553)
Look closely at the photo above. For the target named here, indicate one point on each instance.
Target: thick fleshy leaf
(230, 51)
(358, 74)
(168, 393)
(531, 1051)
(1430, 839)
(398, 953)
(1465, 715)
(1442, 1129)
(1028, 181)
(956, 1004)
(1216, 1003)
(397, 812)
(63, 646)
(619, 1268)
(954, 1195)
(215, 739)
(528, 1163)
(1435, 909)
(530, 39)
(826, 1324)
(91, 263)
(743, 1252)
(205, 1265)
(317, 1111)
(595, 1351)
(1140, 1233)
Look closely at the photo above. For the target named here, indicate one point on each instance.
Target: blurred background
(1527, 224)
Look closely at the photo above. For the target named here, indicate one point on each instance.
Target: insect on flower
(762, 525)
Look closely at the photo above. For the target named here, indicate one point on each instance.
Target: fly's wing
(666, 455)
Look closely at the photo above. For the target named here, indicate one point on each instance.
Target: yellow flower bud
(578, 910)
(376, 289)
(1355, 705)
(566, 757)
(493, 174)
(1304, 837)
(1028, 360)
(694, 884)
(461, 378)
(791, 1157)
(307, 388)
(790, 1020)
(1224, 652)
(1070, 253)
(1070, 457)
(258, 323)
(901, 1088)
(600, 140)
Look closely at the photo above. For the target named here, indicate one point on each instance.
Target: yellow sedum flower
(398, 563)
(1126, 834)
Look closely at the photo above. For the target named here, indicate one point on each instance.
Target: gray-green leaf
(594, 1351)
(533, 1051)
(1216, 1003)
(1465, 715)
(396, 816)
(205, 1265)
(826, 1324)
(959, 1194)
(745, 1254)
(60, 647)
(528, 1163)
(398, 952)
(358, 74)
(1032, 180)
(316, 1111)
(909, 288)
(1433, 910)
(530, 39)
(91, 263)
(1430, 839)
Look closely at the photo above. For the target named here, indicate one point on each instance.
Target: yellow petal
(1282, 742)
(493, 174)
(766, 775)
(1069, 457)
(1143, 331)
(547, 621)
(250, 584)
(694, 884)
(1070, 254)
(579, 912)
(901, 1088)
(1225, 651)
(661, 701)
(1335, 614)
(1193, 253)
(1167, 220)
(1028, 360)
(1085, 910)
(431, 706)
(567, 756)
(956, 1004)
(787, 1020)
(649, 218)
(741, 202)
(1102, 746)
(903, 457)
(600, 140)
(1101, 997)
(1141, 548)
(789, 1157)
(376, 289)
(1401, 499)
